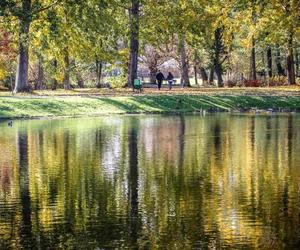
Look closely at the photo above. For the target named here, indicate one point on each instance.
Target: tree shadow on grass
(142, 103)
(166, 103)
(217, 102)
(120, 105)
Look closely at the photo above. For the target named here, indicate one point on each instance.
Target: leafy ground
(121, 101)
(282, 90)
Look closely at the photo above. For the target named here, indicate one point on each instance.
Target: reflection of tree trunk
(99, 142)
(290, 138)
(181, 141)
(269, 127)
(285, 197)
(252, 179)
(26, 227)
(69, 214)
(181, 149)
(252, 134)
(217, 139)
(134, 41)
(133, 177)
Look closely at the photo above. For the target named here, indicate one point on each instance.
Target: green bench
(137, 84)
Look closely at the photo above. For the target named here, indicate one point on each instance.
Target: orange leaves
(5, 45)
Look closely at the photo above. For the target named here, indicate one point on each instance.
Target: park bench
(137, 85)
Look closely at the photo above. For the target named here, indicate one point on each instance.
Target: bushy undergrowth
(116, 81)
(271, 82)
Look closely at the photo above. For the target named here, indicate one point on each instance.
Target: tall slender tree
(269, 61)
(21, 83)
(185, 79)
(134, 12)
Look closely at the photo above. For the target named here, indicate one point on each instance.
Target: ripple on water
(166, 182)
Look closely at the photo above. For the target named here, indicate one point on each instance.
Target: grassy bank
(52, 106)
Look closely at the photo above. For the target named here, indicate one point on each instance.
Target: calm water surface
(151, 182)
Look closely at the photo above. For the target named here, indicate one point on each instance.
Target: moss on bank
(30, 107)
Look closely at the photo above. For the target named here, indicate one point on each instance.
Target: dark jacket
(160, 76)
(170, 77)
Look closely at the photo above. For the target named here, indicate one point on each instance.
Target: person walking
(170, 79)
(159, 77)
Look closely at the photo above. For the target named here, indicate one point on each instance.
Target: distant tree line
(52, 44)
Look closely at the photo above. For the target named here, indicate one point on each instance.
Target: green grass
(30, 106)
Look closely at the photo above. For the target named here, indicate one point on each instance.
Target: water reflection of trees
(153, 181)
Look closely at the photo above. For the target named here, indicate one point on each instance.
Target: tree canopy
(62, 43)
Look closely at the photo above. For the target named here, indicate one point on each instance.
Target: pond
(151, 182)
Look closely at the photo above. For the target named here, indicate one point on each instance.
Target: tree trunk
(54, 80)
(134, 41)
(280, 69)
(218, 70)
(66, 70)
(185, 79)
(80, 81)
(269, 61)
(196, 67)
(196, 74)
(211, 75)
(99, 66)
(218, 47)
(153, 71)
(253, 62)
(290, 62)
(41, 76)
(21, 83)
(9, 83)
(203, 76)
(297, 62)
(263, 61)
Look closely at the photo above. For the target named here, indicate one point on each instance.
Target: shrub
(277, 81)
(252, 83)
(230, 84)
(116, 81)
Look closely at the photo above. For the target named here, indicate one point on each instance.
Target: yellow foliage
(3, 70)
